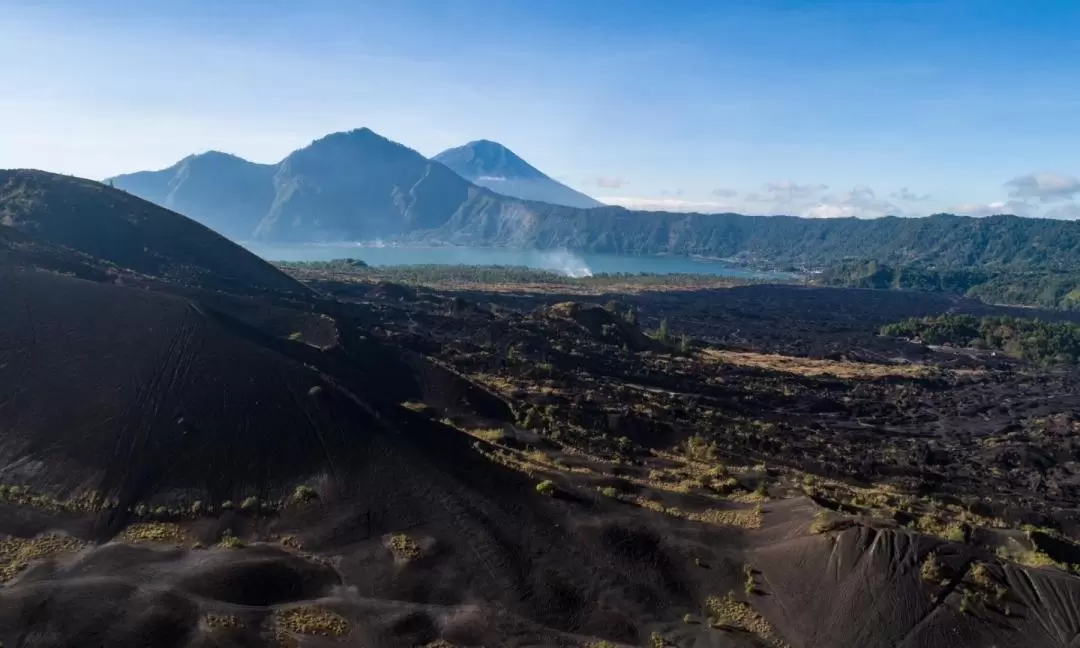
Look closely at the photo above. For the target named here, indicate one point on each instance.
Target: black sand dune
(134, 393)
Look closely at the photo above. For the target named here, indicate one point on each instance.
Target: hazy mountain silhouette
(224, 192)
(354, 185)
(358, 185)
(492, 165)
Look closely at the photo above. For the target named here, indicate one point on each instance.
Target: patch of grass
(546, 487)
(980, 575)
(1017, 553)
(611, 492)
(296, 336)
(492, 435)
(16, 554)
(698, 448)
(304, 493)
(223, 621)
(750, 586)
(229, 541)
(313, 620)
(747, 519)
(156, 532)
(822, 522)
(403, 547)
(951, 531)
(729, 612)
(815, 368)
(932, 570)
(292, 542)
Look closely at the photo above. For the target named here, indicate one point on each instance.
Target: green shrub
(304, 493)
(546, 487)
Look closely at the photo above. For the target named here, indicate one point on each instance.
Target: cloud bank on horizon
(678, 106)
(1047, 195)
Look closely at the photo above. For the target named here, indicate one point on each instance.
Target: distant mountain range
(358, 185)
(493, 166)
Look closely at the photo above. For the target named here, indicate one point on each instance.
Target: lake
(566, 263)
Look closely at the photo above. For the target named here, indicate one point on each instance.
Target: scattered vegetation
(403, 547)
(1052, 289)
(313, 620)
(750, 586)
(491, 435)
(730, 613)
(822, 522)
(155, 532)
(223, 621)
(508, 275)
(932, 570)
(16, 554)
(303, 494)
(229, 541)
(1038, 341)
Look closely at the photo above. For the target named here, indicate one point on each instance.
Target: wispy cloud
(860, 202)
(666, 204)
(724, 193)
(608, 182)
(1013, 207)
(1070, 211)
(1045, 187)
(788, 191)
(907, 195)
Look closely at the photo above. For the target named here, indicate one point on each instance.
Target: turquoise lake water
(566, 263)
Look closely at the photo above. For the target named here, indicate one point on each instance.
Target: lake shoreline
(563, 262)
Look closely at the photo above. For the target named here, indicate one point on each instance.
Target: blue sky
(827, 108)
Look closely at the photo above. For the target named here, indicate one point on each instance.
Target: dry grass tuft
(403, 547)
(313, 620)
(747, 519)
(16, 554)
(292, 542)
(932, 570)
(729, 612)
(492, 435)
(156, 532)
(813, 367)
(223, 621)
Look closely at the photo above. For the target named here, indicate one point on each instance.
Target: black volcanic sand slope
(134, 392)
(130, 233)
(146, 398)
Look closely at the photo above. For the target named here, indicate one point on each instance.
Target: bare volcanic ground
(400, 467)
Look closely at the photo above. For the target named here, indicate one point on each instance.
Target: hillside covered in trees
(1041, 342)
(1042, 288)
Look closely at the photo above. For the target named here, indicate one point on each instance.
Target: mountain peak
(485, 158)
(493, 166)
